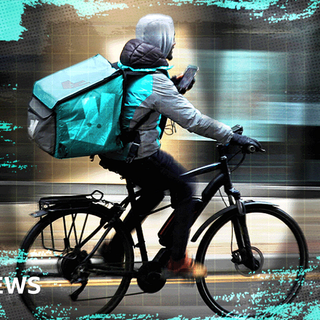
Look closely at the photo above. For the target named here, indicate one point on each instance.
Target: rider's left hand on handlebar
(250, 145)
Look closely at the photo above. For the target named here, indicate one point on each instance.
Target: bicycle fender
(224, 211)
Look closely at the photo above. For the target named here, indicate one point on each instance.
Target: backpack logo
(70, 85)
(32, 127)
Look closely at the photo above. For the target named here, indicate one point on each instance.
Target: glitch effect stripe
(11, 28)
(6, 160)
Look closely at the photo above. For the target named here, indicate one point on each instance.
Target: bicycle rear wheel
(277, 243)
(48, 252)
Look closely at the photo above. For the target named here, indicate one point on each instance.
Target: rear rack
(60, 232)
(59, 203)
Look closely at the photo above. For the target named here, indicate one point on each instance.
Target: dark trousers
(154, 175)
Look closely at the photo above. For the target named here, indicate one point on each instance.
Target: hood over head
(158, 30)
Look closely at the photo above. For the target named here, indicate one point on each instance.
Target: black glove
(246, 142)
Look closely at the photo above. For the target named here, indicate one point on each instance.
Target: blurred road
(177, 300)
(301, 203)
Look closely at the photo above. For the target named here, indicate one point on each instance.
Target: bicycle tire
(37, 258)
(232, 292)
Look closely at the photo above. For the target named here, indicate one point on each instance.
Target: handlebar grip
(251, 149)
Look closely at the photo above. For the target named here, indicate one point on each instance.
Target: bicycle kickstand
(74, 296)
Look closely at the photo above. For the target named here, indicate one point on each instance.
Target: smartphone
(187, 78)
(237, 129)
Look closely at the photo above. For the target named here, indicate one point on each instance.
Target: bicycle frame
(73, 203)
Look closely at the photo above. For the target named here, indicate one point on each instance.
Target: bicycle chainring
(149, 278)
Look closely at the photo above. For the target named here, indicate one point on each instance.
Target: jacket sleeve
(176, 107)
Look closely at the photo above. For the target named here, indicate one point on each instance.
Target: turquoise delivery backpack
(75, 112)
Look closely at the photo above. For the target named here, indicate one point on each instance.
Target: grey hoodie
(158, 30)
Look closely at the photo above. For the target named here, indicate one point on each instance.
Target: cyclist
(149, 167)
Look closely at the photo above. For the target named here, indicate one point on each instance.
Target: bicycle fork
(244, 254)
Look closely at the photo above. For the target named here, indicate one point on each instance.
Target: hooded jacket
(156, 92)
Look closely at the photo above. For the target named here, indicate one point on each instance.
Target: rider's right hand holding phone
(185, 82)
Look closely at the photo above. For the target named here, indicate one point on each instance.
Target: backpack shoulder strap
(133, 135)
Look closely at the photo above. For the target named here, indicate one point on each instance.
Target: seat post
(141, 242)
(131, 193)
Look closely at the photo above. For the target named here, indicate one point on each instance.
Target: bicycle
(249, 271)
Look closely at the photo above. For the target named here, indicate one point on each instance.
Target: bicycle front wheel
(277, 243)
(54, 248)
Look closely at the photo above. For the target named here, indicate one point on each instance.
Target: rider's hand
(246, 142)
(176, 80)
